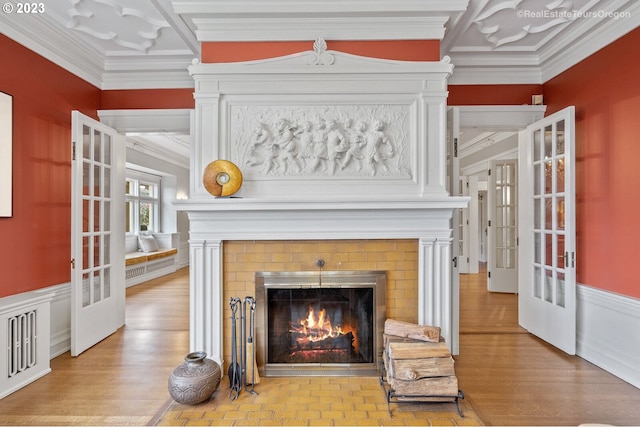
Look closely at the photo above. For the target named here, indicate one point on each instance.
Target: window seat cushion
(161, 253)
(142, 257)
(135, 258)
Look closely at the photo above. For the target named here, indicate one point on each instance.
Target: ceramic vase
(195, 380)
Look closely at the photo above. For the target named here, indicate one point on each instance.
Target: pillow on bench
(147, 243)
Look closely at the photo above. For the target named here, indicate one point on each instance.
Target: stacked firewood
(417, 362)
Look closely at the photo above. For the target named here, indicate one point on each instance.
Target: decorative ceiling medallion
(113, 23)
(535, 19)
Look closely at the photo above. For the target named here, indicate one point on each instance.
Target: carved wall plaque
(323, 141)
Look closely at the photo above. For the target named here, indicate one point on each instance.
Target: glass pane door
(547, 298)
(550, 255)
(503, 227)
(97, 235)
(96, 204)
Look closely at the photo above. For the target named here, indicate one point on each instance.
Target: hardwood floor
(121, 380)
(508, 376)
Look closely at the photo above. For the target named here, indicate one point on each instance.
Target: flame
(316, 327)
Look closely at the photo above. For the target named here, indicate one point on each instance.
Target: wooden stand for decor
(418, 366)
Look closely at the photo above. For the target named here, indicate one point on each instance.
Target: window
(142, 192)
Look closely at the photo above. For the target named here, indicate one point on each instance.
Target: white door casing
(97, 232)
(462, 222)
(502, 236)
(473, 218)
(453, 184)
(547, 271)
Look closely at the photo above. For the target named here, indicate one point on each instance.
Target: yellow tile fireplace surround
(397, 257)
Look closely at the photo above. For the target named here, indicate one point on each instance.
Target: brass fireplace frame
(376, 280)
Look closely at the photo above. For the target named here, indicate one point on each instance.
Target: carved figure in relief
(325, 142)
(272, 160)
(305, 135)
(285, 142)
(356, 142)
(258, 144)
(336, 144)
(320, 152)
(376, 154)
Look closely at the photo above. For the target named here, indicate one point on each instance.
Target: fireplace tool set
(242, 368)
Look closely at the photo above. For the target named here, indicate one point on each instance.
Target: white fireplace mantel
(304, 219)
(331, 146)
(217, 220)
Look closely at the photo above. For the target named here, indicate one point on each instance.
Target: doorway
(488, 134)
(158, 143)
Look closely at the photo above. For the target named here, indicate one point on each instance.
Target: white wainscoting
(608, 332)
(60, 319)
(61, 309)
(608, 329)
(183, 255)
(24, 336)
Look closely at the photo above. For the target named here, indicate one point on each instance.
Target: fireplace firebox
(320, 323)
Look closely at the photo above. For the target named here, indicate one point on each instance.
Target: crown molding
(314, 7)
(495, 75)
(497, 118)
(331, 28)
(580, 43)
(485, 67)
(157, 153)
(281, 20)
(147, 73)
(55, 45)
(151, 120)
(143, 79)
(567, 47)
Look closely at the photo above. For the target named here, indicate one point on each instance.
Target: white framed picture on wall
(6, 143)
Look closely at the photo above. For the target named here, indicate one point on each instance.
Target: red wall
(133, 99)
(492, 94)
(404, 50)
(35, 242)
(606, 93)
(35, 246)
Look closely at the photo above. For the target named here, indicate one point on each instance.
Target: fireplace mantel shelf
(305, 219)
(309, 204)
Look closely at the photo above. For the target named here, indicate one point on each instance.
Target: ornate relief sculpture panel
(324, 124)
(321, 141)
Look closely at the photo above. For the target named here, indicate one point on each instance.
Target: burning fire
(314, 329)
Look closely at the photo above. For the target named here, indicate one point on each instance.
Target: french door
(502, 230)
(468, 234)
(97, 232)
(453, 184)
(462, 219)
(547, 297)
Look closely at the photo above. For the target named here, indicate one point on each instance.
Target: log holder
(393, 397)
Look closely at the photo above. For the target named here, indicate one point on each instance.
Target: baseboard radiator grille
(25, 335)
(22, 337)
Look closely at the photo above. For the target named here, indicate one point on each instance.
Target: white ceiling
(127, 44)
